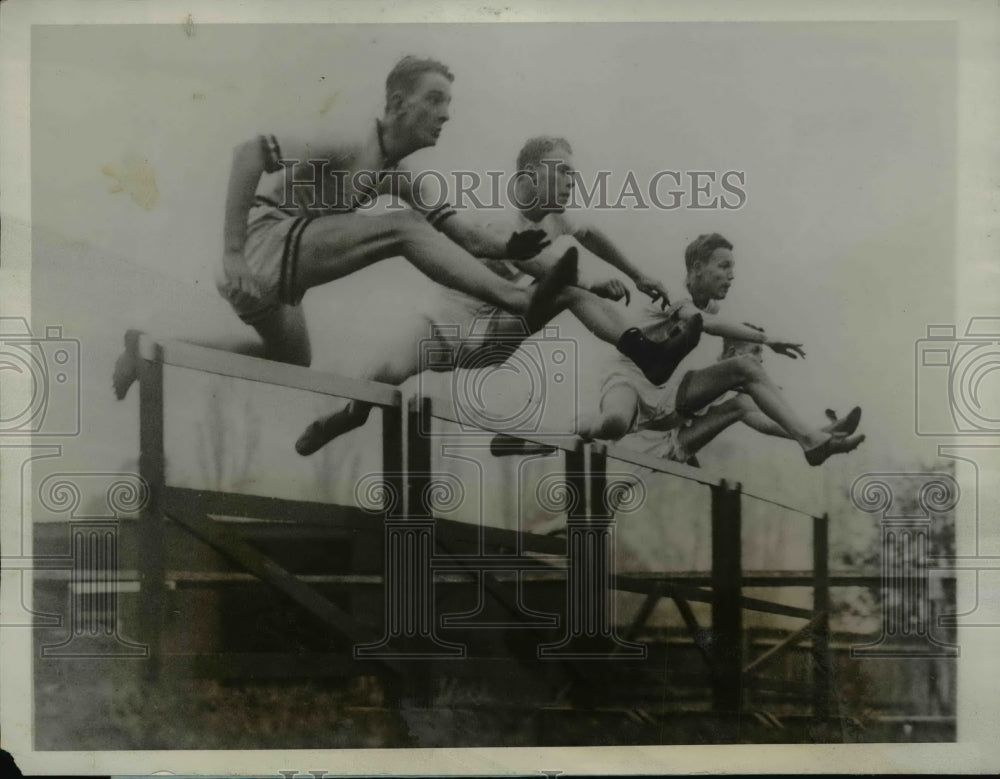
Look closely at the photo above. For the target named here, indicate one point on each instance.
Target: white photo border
(978, 243)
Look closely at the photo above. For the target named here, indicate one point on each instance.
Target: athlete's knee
(744, 404)
(285, 337)
(613, 426)
(396, 371)
(746, 368)
(405, 226)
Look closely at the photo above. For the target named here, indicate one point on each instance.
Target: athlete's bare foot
(126, 372)
(324, 430)
(505, 446)
(543, 304)
(126, 366)
(313, 438)
(835, 444)
(844, 426)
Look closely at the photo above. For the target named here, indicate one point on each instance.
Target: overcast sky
(845, 133)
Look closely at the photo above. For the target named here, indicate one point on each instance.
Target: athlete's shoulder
(680, 309)
(291, 148)
(652, 313)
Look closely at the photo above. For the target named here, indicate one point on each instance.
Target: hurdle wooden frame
(729, 670)
(191, 509)
(406, 468)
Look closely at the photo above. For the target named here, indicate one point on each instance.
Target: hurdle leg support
(591, 632)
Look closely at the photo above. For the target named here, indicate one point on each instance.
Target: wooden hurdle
(724, 651)
(416, 542)
(195, 510)
(587, 553)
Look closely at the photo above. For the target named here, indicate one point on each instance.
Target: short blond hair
(407, 72)
(539, 148)
(699, 251)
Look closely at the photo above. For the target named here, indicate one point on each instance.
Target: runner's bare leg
(328, 252)
(710, 383)
(618, 410)
(126, 370)
(285, 335)
(355, 414)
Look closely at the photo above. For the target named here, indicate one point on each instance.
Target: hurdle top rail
(185, 355)
(446, 410)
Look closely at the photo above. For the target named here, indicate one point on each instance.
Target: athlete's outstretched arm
(611, 289)
(476, 241)
(600, 244)
(713, 324)
(486, 241)
(542, 263)
(491, 243)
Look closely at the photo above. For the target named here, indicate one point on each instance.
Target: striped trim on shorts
(290, 262)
